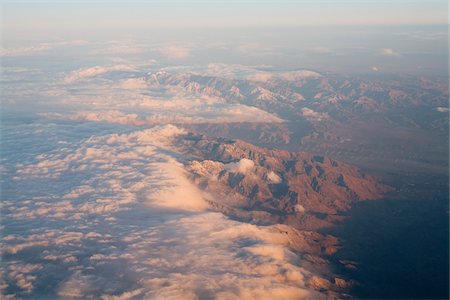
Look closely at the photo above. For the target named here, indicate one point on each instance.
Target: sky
(351, 36)
(31, 17)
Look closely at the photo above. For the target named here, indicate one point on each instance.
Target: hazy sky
(28, 17)
(393, 35)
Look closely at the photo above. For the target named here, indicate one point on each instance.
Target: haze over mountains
(224, 162)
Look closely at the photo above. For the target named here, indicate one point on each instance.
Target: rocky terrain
(294, 193)
(324, 97)
(380, 123)
(282, 187)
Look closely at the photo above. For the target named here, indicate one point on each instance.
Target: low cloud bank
(79, 74)
(160, 240)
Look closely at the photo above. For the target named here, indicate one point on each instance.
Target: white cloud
(23, 274)
(388, 52)
(134, 84)
(160, 241)
(116, 117)
(256, 73)
(296, 75)
(124, 296)
(273, 177)
(95, 71)
(288, 75)
(100, 154)
(442, 109)
(260, 76)
(42, 47)
(235, 70)
(244, 166)
(182, 194)
(77, 286)
(313, 115)
(299, 208)
(177, 111)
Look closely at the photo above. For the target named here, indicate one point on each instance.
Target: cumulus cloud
(134, 84)
(273, 177)
(182, 194)
(77, 286)
(160, 240)
(23, 275)
(299, 208)
(313, 115)
(99, 155)
(388, 52)
(244, 166)
(176, 52)
(265, 269)
(442, 109)
(95, 71)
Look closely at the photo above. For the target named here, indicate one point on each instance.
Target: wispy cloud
(134, 84)
(314, 115)
(389, 52)
(176, 52)
(425, 35)
(95, 71)
(176, 112)
(23, 51)
(42, 47)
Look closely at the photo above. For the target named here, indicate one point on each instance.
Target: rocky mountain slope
(340, 97)
(275, 186)
(296, 193)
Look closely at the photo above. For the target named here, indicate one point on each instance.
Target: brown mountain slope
(276, 186)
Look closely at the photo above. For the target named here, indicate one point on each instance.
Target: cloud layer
(94, 71)
(160, 242)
